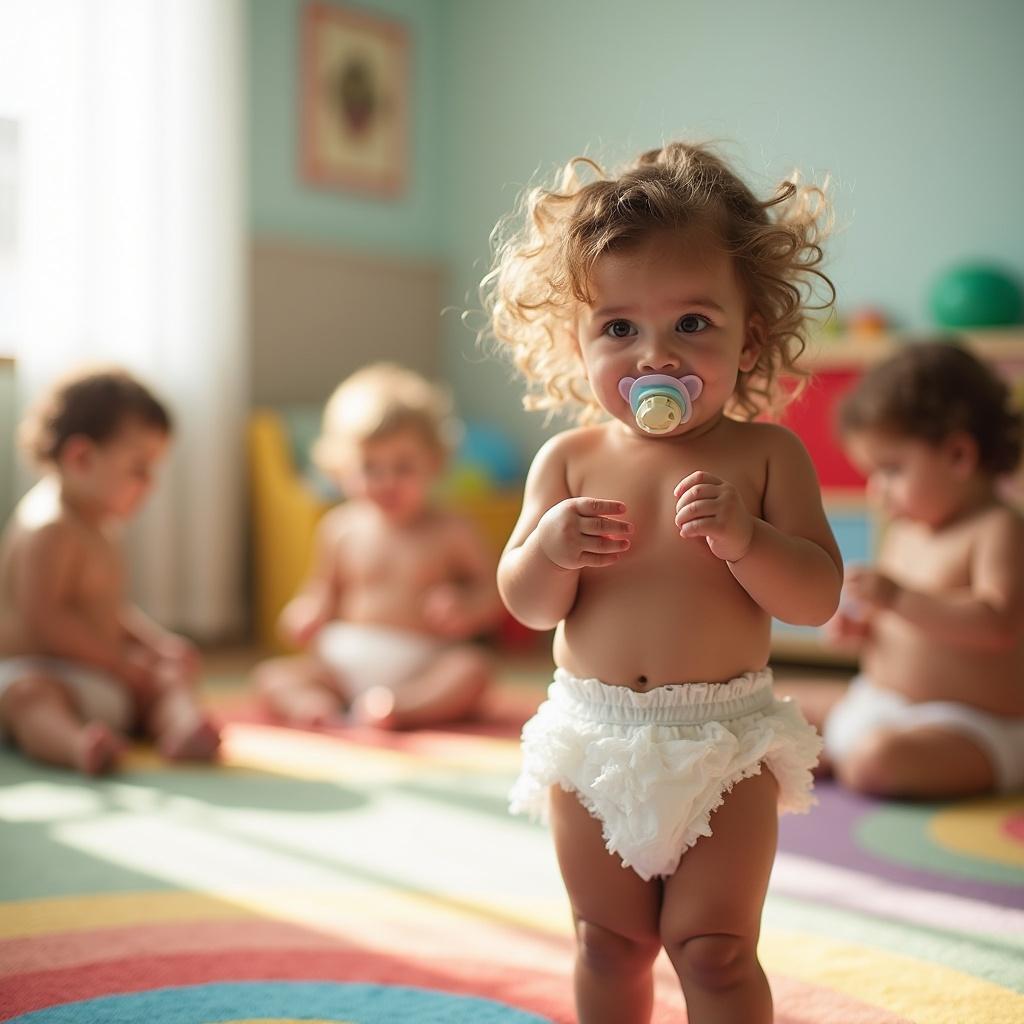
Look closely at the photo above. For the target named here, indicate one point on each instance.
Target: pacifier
(660, 403)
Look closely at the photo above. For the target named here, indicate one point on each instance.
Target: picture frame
(354, 100)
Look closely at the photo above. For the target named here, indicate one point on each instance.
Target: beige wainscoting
(318, 313)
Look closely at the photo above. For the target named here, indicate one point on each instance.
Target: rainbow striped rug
(359, 879)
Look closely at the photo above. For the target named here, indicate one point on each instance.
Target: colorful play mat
(359, 879)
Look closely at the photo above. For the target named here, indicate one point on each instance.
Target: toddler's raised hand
(712, 508)
(577, 533)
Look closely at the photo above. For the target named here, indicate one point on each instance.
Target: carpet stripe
(925, 993)
(808, 879)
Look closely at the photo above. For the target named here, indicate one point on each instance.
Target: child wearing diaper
(398, 586)
(938, 710)
(80, 666)
(659, 538)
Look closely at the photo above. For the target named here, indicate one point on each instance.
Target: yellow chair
(285, 509)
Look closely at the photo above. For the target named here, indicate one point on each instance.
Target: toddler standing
(663, 302)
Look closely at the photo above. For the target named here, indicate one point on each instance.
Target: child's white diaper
(97, 697)
(652, 767)
(867, 707)
(365, 656)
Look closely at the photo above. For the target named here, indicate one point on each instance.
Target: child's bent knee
(610, 952)
(714, 961)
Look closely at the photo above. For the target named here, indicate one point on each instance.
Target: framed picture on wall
(355, 100)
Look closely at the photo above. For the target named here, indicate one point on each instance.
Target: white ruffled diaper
(652, 767)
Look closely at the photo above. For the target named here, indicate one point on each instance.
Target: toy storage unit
(836, 364)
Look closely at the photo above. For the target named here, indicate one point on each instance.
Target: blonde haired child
(664, 301)
(398, 585)
(80, 666)
(938, 709)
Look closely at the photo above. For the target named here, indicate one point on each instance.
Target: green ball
(976, 295)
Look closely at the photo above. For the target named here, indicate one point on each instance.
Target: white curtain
(132, 249)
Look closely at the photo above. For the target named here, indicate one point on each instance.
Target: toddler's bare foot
(375, 707)
(97, 750)
(198, 740)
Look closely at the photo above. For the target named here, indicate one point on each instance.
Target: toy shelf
(850, 350)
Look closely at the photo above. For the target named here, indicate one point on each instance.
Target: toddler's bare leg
(448, 691)
(41, 718)
(616, 918)
(928, 762)
(180, 726)
(300, 691)
(711, 916)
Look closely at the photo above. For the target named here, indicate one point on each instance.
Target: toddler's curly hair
(934, 388)
(545, 252)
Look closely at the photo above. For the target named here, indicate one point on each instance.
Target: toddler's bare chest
(646, 485)
(386, 560)
(926, 562)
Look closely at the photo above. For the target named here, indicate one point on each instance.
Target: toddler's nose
(658, 360)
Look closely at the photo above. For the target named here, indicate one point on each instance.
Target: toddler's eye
(693, 323)
(619, 329)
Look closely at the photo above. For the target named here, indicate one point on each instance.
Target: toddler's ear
(962, 451)
(76, 453)
(757, 334)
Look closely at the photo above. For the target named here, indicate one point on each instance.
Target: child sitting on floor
(80, 667)
(938, 710)
(398, 585)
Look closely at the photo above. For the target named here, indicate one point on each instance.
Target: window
(8, 235)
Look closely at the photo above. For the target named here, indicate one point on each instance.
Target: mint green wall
(279, 204)
(914, 108)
